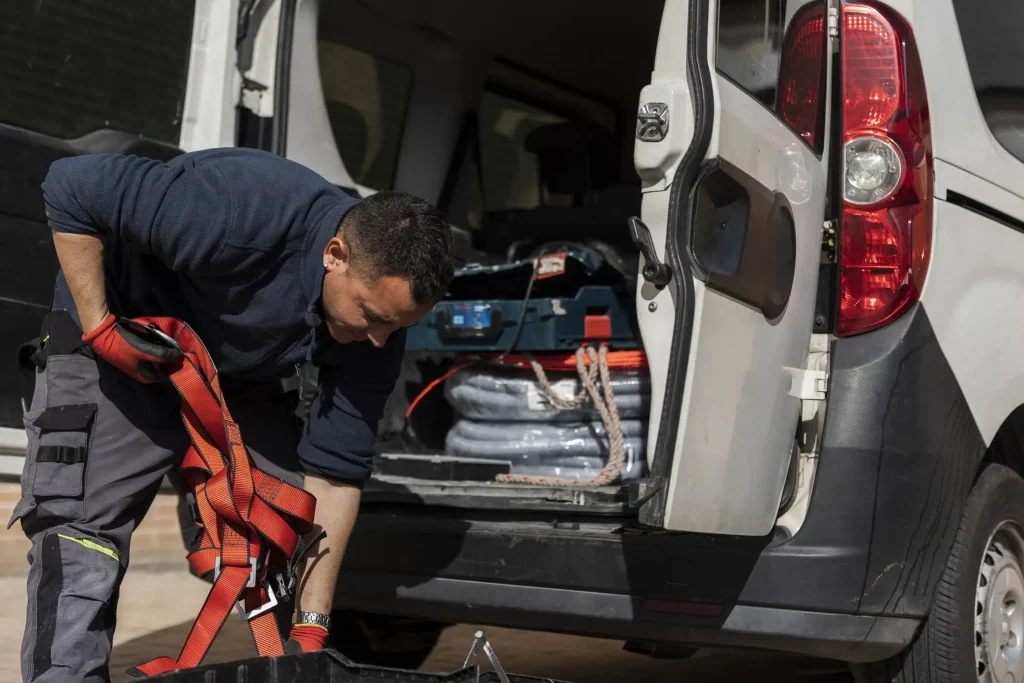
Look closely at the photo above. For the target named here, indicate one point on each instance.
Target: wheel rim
(999, 608)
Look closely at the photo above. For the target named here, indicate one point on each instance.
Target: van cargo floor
(483, 495)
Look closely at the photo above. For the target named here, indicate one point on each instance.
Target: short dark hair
(397, 234)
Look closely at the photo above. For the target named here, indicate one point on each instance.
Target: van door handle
(654, 271)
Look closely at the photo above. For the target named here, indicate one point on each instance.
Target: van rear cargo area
(526, 389)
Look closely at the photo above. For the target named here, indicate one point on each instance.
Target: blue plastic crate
(552, 323)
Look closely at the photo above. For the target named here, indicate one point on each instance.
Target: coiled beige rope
(606, 408)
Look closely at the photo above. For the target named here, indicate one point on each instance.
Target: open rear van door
(85, 77)
(732, 147)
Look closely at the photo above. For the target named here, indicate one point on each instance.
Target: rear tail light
(802, 75)
(887, 170)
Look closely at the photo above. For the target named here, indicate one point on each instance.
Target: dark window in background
(70, 67)
(991, 32)
(367, 99)
(510, 172)
(749, 44)
(507, 176)
(751, 41)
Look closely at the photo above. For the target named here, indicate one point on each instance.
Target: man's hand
(127, 351)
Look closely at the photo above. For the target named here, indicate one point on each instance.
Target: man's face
(358, 308)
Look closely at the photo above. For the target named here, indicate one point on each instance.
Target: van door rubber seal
(282, 77)
(681, 215)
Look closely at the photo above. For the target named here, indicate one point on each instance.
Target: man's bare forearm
(336, 508)
(81, 259)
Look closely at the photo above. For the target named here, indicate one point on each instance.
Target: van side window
(70, 68)
(990, 31)
(367, 100)
(775, 50)
(510, 173)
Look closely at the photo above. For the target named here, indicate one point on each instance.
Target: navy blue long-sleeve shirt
(231, 242)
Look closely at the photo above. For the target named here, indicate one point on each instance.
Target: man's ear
(336, 255)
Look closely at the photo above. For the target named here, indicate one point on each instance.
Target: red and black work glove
(128, 347)
(306, 638)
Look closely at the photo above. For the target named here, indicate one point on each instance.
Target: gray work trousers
(99, 445)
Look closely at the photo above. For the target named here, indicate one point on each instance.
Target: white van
(830, 199)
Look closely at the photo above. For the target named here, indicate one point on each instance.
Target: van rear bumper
(602, 580)
(845, 637)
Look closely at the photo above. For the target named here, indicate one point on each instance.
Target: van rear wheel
(975, 631)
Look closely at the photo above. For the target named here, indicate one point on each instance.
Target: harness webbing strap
(249, 519)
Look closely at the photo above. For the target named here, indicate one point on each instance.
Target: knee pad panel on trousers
(72, 591)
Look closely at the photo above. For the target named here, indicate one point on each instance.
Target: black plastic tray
(325, 666)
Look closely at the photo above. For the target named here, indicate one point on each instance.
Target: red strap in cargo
(617, 360)
(249, 519)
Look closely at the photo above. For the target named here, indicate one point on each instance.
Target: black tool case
(329, 666)
(326, 666)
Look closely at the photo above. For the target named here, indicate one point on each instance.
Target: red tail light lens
(802, 75)
(871, 68)
(887, 170)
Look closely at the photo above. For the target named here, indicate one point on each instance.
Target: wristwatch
(315, 618)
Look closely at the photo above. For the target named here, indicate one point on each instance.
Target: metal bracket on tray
(480, 642)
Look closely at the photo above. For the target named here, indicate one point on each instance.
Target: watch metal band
(315, 618)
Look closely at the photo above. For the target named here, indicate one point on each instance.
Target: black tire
(380, 640)
(944, 650)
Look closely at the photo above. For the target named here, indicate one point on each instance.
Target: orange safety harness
(249, 519)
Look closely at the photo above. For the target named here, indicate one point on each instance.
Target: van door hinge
(833, 21)
(250, 15)
(828, 242)
(807, 385)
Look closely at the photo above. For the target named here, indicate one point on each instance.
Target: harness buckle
(283, 581)
(270, 604)
(150, 333)
(251, 583)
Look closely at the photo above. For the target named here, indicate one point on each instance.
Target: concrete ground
(159, 600)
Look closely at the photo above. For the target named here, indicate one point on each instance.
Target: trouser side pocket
(58, 453)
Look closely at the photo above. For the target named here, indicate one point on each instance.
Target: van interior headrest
(574, 157)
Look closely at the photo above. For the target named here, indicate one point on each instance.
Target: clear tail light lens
(873, 169)
(887, 170)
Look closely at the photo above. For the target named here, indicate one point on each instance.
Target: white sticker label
(551, 265)
(564, 389)
(534, 399)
